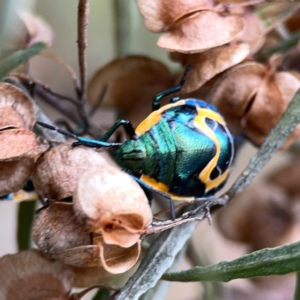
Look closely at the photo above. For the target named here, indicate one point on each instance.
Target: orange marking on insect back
(154, 118)
(201, 125)
(159, 186)
(145, 125)
(154, 184)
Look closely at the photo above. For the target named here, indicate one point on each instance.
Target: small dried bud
(110, 202)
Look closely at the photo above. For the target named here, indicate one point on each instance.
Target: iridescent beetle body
(183, 150)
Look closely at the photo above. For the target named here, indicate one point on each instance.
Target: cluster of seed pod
(251, 95)
(19, 145)
(103, 224)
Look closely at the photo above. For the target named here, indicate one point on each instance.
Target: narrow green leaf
(26, 211)
(17, 58)
(102, 294)
(270, 261)
(297, 290)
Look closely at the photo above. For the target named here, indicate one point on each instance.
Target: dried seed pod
(28, 275)
(110, 202)
(252, 33)
(57, 171)
(56, 228)
(9, 118)
(208, 64)
(287, 178)
(20, 143)
(261, 216)
(200, 31)
(114, 259)
(14, 175)
(233, 92)
(14, 98)
(160, 15)
(89, 276)
(118, 260)
(272, 99)
(132, 82)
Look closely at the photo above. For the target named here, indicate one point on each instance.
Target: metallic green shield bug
(183, 150)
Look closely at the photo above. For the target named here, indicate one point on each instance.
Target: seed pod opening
(111, 203)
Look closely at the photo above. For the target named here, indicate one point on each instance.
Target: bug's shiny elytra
(183, 149)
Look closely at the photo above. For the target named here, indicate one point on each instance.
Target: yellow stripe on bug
(154, 118)
(154, 184)
(201, 125)
(159, 186)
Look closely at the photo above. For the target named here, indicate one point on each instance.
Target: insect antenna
(64, 132)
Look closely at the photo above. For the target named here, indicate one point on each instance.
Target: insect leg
(149, 188)
(127, 127)
(174, 89)
(81, 140)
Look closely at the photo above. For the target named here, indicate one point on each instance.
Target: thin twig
(83, 14)
(68, 68)
(45, 87)
(94, 131)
